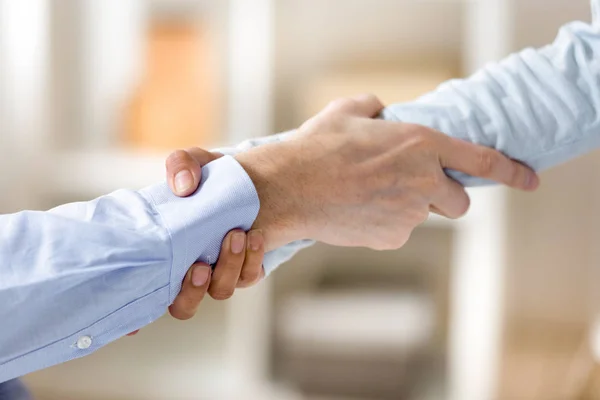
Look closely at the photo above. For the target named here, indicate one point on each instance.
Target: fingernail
(255, 240)
(238, 241)
(183, 181)
(200, 275)
(531, 181)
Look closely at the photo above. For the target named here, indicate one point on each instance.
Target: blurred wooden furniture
(176, 104)
(353, 342)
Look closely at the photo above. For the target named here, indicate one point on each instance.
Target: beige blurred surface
(398, 82)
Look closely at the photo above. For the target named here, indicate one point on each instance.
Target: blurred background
(502, 304)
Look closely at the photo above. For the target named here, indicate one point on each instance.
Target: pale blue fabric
(109, 266)
(541, 107)
(104, 268)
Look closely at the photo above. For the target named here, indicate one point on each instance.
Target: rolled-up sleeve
(77, 277)
(539, 106)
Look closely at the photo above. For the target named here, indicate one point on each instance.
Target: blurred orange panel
(176, 103)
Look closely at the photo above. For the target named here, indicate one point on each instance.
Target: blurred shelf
(372, 322)
(93, 173)
(395, 83)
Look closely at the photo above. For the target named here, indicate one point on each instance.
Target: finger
(133, 333)
(184, 169)
(364, 105)
(368, 105)
(229, 266)
(252, 270)
(486, 163)
(193, 289)
(183, 173)
(451, 200)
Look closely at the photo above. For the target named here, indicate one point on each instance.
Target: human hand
(239, 266)
(348, 179)
(240, 261)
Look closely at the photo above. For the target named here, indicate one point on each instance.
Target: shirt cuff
(197, 225)
(275, 258)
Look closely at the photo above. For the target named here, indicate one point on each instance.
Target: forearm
(108, 267)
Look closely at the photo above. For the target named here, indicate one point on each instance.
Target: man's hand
(348, 179)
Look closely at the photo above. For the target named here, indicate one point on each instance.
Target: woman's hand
(241, 258)
(240, 261)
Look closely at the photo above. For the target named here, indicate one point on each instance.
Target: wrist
(281, 216)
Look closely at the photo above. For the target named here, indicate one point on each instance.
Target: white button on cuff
(84, 342)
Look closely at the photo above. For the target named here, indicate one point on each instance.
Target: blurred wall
(315, 36)
(543, 285)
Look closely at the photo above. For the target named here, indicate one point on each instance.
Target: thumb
(368, 105)
(364, 105)
(184, 169)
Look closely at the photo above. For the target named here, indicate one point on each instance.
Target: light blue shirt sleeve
(82, 275)
(541, 107)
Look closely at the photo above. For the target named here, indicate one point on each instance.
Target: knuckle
(517, 174)
(430, 184)
(342, 105)
(235, 262)
(369, 98)
(419, 133)
(339, 102)
(197, 150)
(436, 179)
(189, 302)
(249, 277)
(177, 159)
(221, 293)
(181, 313)
(485, 162)
(324, 122)
(419, 139)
